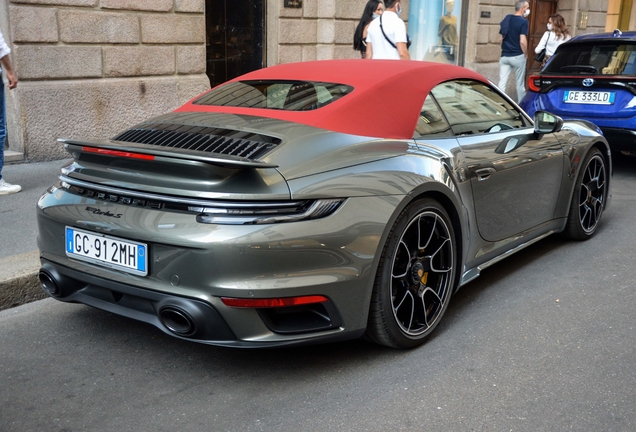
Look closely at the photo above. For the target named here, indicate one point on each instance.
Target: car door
(514, 173)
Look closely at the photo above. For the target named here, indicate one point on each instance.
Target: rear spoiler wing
(160, 154)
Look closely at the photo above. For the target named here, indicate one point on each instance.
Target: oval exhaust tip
(177, 321)
(48, 284)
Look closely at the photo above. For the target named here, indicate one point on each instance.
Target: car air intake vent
(205, 139)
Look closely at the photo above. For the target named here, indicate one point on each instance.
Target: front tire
(416, 277)
(588, 199)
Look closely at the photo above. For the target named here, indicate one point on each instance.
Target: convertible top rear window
(597, 58)
(275, 94)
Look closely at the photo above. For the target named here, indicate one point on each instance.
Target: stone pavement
(19, 257)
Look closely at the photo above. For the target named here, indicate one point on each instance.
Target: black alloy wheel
(416, 277)
(588, 200)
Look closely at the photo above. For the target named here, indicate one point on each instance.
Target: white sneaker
(6, 188)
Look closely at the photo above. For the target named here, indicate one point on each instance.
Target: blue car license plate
(589, 97)
(107, 251)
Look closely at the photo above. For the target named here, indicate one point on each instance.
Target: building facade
(91, 68)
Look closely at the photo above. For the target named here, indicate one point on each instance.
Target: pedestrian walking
(372, 10)
(5, 63)
(556, 34)
(386, 36)
(514, 47)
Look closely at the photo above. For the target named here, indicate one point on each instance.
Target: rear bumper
(192, 266)
(132, 302)
(528, 103)
(187, 318)
(619, 131)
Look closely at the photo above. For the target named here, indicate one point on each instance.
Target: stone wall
(91, 68)
(320, 30)
(597, 15)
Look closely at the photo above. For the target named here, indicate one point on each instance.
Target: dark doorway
(235, 34)
(541, 11)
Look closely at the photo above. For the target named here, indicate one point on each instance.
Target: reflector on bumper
(273, 302)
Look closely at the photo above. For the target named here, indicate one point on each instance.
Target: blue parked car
(591, 77)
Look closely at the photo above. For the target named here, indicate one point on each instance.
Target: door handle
(484, 173)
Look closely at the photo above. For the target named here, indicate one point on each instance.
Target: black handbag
(541, 55)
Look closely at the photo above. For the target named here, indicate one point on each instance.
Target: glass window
(431, 123)
(234, 39)
(473, 107)
(437, 26)
(282, 95)
(601, 58)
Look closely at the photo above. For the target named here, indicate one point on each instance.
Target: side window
(473, 107)
(276, 95)
(324, 96)
(431, 123)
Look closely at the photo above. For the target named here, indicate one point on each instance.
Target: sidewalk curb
(19, 282)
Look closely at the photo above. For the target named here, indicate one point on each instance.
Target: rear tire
(416, 277)
(588, 199)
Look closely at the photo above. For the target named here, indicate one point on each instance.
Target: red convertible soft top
(386, 100)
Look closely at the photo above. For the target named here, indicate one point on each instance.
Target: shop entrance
(235, 35)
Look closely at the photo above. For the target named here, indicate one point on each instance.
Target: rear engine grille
(204, 139)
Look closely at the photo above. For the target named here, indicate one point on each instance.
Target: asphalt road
(543, 341)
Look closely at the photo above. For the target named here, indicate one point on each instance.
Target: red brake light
(534, 83)
(273, 302)
(118, 153)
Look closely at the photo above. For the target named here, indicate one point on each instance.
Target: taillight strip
(531, 83)
(117, 153)
(273, 302)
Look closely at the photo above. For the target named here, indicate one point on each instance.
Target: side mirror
(545, 122)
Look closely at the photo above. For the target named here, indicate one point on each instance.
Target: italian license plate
(589, 97)
(107, 251)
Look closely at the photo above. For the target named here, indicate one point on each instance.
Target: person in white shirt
(5, 63)
(557, 34)
(386, 36)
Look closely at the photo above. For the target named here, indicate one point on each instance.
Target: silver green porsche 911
(315, 202)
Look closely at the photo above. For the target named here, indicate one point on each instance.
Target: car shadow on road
(114, 329)
(624, 165)
(493, 277)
